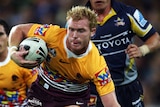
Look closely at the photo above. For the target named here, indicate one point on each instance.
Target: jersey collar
(110, 14)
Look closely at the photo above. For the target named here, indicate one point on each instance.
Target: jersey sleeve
(140, 26)
(101, 76)
(48, 33)
(103, 82)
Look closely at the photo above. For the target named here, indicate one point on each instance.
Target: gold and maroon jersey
(14, 81)
(69, 72)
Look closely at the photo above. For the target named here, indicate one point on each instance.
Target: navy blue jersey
(115, 33)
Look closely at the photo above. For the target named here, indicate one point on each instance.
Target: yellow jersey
(14, 82)
(62, 67)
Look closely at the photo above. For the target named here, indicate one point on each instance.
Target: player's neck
(3, 55)
(101, 14)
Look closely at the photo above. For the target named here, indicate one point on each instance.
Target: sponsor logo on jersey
(41, 30)
(103, 76)
(139, 17)
(115, 41)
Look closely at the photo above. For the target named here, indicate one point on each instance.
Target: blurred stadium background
(54, 11)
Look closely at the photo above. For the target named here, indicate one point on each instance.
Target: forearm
(153, 42)
(150, 45)
(110, 100)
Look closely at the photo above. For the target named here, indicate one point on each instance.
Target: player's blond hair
(80, 12)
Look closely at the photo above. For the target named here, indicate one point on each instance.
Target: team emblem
(119, 22)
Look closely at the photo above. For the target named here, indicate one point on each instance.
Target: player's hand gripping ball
(37, 48)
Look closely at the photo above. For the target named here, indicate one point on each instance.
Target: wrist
(144, 49)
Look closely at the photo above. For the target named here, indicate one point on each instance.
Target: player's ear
(93, 30)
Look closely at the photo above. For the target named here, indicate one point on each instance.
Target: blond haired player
(72, 62)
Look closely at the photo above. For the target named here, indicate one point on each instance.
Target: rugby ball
(37, 48)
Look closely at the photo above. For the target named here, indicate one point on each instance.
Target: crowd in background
(39, 11)
(54, 12)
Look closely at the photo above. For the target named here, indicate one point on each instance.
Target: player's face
(78, 35)
(99, 5)
(3, 39)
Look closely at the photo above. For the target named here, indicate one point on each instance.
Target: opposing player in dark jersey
(72, 62)
(117, 25)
